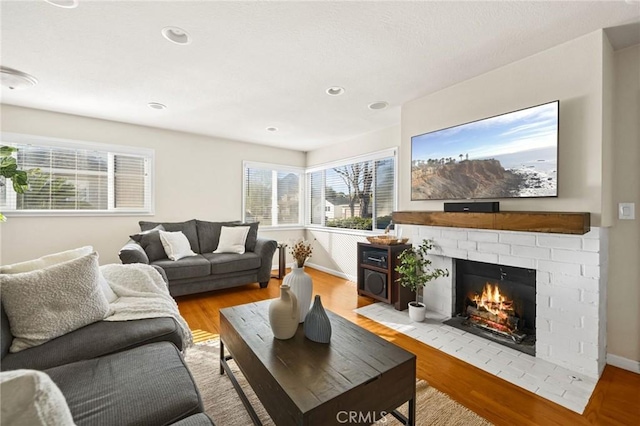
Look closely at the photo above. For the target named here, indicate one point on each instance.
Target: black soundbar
(480, 207)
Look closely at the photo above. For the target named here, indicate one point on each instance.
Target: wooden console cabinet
(378, 280)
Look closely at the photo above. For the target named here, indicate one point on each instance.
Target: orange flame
(492, 300)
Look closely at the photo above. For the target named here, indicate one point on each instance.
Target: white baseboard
(624, 363)
(332, 272)
(274, 268)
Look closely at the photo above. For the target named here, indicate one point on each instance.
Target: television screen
(507, 156)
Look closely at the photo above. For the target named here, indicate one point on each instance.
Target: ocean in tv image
(507, 156)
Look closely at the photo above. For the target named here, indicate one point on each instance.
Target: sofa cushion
(209, 234)
(195, 420)
(150, 242)
(224, 263)
(107, 390)
(44, 304)
(188, 228)
(95, 340)
(31, 398)
(188, 267)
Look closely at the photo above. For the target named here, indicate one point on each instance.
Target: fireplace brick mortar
(571, 273)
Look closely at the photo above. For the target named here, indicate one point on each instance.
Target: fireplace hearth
(496, 302)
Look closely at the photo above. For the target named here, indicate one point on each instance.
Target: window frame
(275, 169)
(112, 150)
(373, 156)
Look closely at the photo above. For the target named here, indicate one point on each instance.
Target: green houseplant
(9, 170)
(415, 272)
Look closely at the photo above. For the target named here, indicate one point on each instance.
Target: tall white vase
(283, 314)
(302, 286)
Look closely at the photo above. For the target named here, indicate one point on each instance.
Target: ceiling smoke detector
(67, 4)
(378, 105)
(272, 129)
(176, 35)
(14, 79)
(335, 91)
(156, 105)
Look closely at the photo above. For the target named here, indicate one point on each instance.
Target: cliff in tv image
(448, 178)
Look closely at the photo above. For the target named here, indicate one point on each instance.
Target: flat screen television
(513, 155)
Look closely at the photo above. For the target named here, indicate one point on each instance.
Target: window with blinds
(272, 194)
(358, 194)
(82, 178)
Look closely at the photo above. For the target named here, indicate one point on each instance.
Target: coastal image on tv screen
(510, 155)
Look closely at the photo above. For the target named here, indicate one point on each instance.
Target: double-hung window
(358, 193)
(272, 194)
(79, 178)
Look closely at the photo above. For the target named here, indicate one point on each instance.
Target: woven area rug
(222, 404)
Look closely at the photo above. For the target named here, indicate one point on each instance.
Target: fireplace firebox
(496, 302)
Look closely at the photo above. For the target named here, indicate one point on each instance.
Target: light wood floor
(616, 400)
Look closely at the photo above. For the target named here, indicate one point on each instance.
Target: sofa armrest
(265, 249)
(132, 252)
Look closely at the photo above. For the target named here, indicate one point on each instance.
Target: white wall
(571, 72)
(624, 239)
(196, 177)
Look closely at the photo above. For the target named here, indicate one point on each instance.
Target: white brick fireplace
(571, 275)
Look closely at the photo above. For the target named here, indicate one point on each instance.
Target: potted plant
(9, 170)
(415, 273)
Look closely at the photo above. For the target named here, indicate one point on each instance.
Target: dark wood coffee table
(357, 378)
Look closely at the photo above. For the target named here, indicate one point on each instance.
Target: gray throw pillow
(47, 303)
(150, 242)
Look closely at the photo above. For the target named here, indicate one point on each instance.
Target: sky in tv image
(511, 133)
(523, 142)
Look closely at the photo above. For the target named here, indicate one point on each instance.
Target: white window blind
(272, 194)
(80, 178)
(356, 194)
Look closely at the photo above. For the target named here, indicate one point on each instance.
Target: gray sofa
(207, 271)
(116, 373)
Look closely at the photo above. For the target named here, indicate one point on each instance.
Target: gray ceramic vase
(317, 326)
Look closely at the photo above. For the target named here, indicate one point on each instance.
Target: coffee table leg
(221, 358)
(224, 367)
(411, 415)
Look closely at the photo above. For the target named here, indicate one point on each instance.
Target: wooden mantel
(551, 222)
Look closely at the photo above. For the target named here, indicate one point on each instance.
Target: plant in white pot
(415, 273)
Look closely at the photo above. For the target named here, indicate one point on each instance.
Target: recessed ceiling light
(379, 105)
(335, 91)
(156, 105)
(67, 4)
(272, 129)
(176, 35)
(14, 79)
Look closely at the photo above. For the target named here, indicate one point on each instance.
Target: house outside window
(272, 194)
(358, 193)
(72, 178)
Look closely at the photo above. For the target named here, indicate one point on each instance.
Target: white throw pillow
(54, 259)
(176, 245)
(30, 397)
(232, 239)
(46, 303)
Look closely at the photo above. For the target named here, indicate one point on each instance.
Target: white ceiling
(253, 65)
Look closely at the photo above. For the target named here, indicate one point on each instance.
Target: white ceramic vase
(417, 311)
(302, 286)
(283, 314)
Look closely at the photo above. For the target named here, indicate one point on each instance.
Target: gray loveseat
(116, 373)
(207, 271)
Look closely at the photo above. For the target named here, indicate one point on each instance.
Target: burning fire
(492, 301)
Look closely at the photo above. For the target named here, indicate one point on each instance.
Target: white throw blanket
(142, 293)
